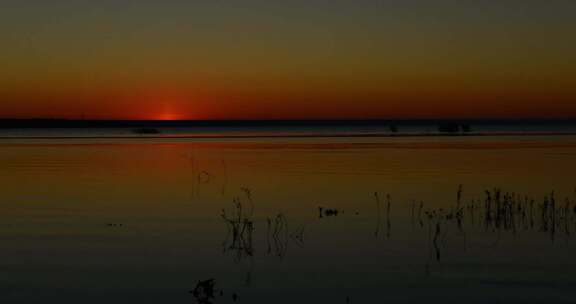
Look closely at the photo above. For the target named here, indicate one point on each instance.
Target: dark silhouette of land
(380, 127)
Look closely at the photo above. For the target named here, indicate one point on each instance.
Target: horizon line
(399, 119)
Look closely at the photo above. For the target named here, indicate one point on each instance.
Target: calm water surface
(140, 221)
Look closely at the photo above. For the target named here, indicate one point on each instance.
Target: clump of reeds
(240, 230)
(502, 211)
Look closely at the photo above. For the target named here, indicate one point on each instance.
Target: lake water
(402, 220)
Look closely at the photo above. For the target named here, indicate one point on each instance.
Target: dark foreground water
(364, 220)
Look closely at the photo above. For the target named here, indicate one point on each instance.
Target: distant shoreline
(238, 129)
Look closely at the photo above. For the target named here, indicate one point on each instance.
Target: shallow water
(139, 220)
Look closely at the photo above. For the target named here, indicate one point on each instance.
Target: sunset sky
(217, 59)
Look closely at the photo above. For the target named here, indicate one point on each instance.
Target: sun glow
(167, 104)
(170, 110)
(168, 116)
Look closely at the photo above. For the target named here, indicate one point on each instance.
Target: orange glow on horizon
(188, 104)
(162, 104)
(168, 116)
(170, 112)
